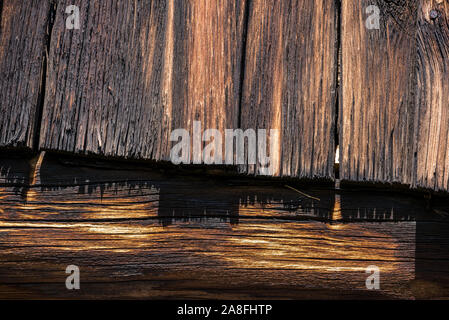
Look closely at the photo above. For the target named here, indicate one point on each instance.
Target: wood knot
(434, 14)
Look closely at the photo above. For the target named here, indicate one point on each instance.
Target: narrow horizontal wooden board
(290, 83)
(136, 70)
(23, 35)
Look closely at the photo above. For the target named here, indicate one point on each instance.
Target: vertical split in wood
(43, 78)
(338, 92)
(1, 12)
(243, 60)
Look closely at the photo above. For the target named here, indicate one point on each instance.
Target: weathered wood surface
(120, 88)
(432, 96)
(290, 82)
(146, 234)
(377, 108)
(394, 119)
(23, 34)
(136, 70)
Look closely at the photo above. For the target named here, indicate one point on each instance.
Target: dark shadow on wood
(190, 236)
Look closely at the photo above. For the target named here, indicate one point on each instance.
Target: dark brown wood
(431, 169)
(145, 234)
(23, 40)
(290, 82)
(136, 70)
(377, 111)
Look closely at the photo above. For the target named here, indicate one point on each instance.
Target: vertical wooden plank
(212, 37)
(23, 34)
(377, 83)
(290, 82)
(432, 96)
(136, 70)
(105, 80)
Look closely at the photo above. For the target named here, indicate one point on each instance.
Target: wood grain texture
(377, 84)
(136, 70)
(290, 82)
(432, 96)
(138, 233)
(105, 80)
(23, 35)
(145, 234)
(394, 116)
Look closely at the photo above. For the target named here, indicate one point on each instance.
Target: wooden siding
(432, 96)
(394, 119)
(290, 82)
(377, 107)
(23, 34)
(137, 70)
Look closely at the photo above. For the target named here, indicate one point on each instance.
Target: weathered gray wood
(290, 82)
(23, 35)
(136, 70)
(377, 84)
(431, 169)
